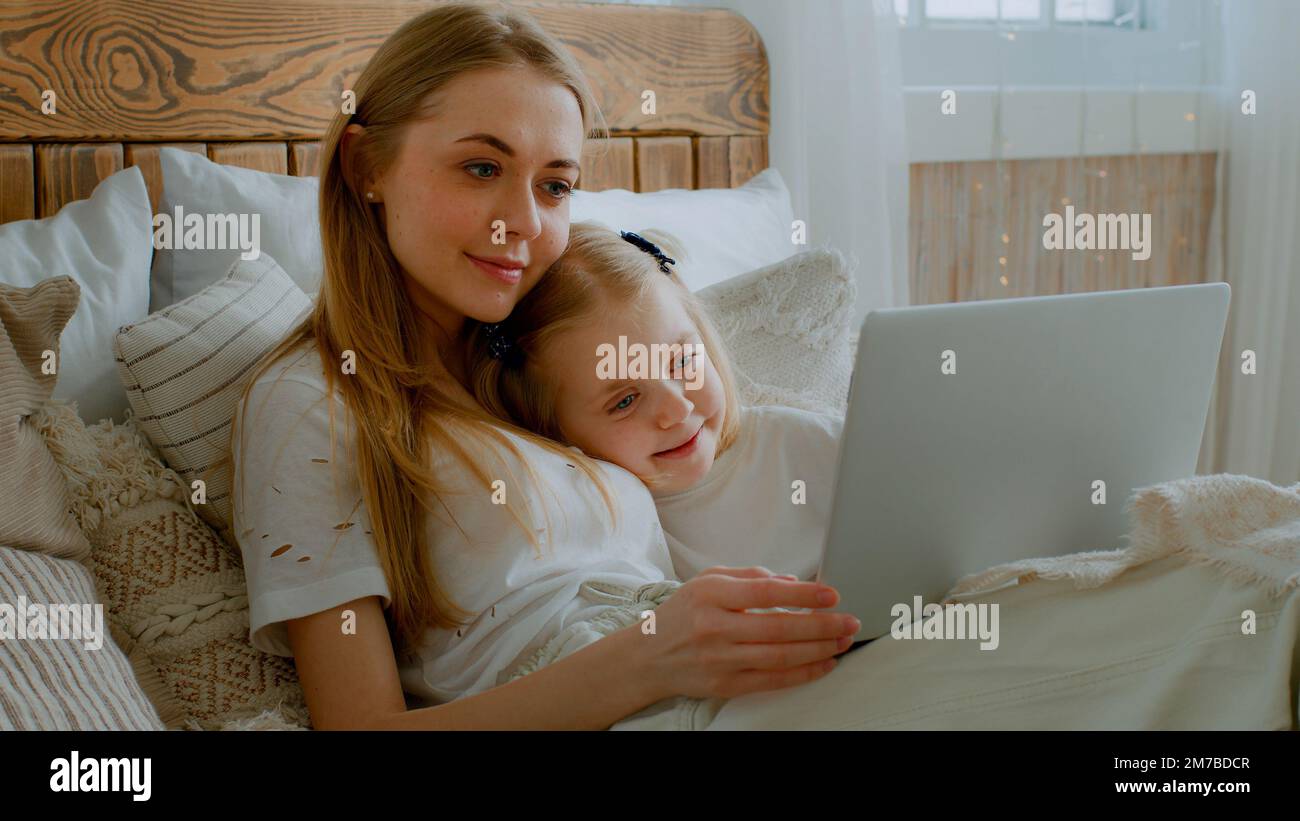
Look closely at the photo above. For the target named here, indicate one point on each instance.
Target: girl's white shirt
(766, 500)
(307, 544)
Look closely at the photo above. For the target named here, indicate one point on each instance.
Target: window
(1124, 14)
(1063, 77)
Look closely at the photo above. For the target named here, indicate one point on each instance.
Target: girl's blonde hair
(598, 272)
(394, 404)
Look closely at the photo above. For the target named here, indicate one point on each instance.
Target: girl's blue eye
(480, 165)
(625, 403)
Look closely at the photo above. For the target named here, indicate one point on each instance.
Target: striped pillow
(185, 366)
(60, 683)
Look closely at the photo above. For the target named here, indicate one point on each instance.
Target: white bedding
(1161, 647)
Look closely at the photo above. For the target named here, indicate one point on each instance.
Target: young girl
(612, 354)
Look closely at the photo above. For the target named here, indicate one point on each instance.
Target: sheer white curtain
(837, 132)
(1255, 421)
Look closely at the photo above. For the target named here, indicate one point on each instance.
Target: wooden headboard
(254, 83)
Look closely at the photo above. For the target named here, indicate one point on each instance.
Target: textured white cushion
(184, 368)
(789, 328)
(104, 243)
(289, 224)
(61, 684)
(725, 231)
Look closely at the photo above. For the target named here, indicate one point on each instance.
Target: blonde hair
(599, 270)
(395, 405)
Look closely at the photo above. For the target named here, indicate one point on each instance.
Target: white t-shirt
(747, 510)
(306, 538)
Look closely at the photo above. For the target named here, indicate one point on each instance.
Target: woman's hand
(756, 572)
(706, 645)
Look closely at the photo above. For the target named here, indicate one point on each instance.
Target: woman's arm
(351, 682)
(705, 644)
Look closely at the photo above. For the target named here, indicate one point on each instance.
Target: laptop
(976, 433)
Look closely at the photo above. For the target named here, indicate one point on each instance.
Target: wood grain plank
(607, 163)
(272, 157)
(973, 223)
(158, 70)
(17, 183)
(148, 158)
(664, 162)
(746, 156)
(304, 159)
(712, 162)
(70, 171)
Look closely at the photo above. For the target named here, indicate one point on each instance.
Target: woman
(408, 558)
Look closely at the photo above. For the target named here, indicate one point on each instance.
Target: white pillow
(789, 328)
(184, 368)
(288, 223)
(726, 231)
(103, 242)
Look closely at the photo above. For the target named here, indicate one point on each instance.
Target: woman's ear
(351, 143)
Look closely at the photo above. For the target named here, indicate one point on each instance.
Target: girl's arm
(351, 682)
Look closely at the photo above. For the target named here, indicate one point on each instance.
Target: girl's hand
(705, 645)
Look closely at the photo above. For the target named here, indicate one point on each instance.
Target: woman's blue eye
(564, 188)
(626, 402)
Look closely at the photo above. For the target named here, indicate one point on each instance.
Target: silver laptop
(976, 430)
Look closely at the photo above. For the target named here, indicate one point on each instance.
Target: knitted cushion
(59, 683)
(789, 329)
(184, 367)
(33, 501)
(173, 592)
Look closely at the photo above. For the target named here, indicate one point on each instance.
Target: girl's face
(503, 145)
(665, 428)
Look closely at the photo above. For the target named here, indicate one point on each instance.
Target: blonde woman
(407, 548)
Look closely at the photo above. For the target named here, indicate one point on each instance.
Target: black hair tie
(650, 248)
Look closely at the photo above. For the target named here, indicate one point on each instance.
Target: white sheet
(1161, 647)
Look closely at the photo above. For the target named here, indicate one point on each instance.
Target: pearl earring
(370, 195)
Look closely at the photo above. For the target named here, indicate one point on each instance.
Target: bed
(89, 90)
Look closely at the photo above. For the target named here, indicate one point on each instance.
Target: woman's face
(487, 177)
